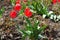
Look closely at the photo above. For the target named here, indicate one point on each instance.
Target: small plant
(39, 7)
(1, 11)
(32, 31)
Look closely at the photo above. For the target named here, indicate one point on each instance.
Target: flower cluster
(52, 16)
(17, 8)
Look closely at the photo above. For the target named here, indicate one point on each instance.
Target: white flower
(44, 15)
(58, 17)
(51, 17)
(55, 17)
(41, 36)
(38, 27)
(11, 35)
(50, 12)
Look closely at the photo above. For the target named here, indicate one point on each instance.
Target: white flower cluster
(55, 17)
(51, 16)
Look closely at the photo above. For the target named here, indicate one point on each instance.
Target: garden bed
(10, 27)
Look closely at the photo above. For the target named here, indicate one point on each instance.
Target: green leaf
(1, 11)
(21, 12)
(32, 7)
(41, 36)
(29, 28)
(23, 6)
(0, 15)
(42, 28)
(28, 22)
(23, 31)
(29, 25)
(39, 7)
(13, 2)
(36, 23)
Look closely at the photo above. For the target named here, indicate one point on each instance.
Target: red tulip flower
(25, 0)
(17, 1)
(58, 0)
(27, 12)
(17, 7)
(13, 14)
(54, 1)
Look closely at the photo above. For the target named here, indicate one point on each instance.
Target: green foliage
(13, 2)
(39, 7)
(20, 12)
(32, 31)
(1, 11)
(47, 2)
